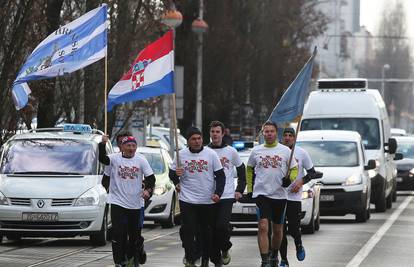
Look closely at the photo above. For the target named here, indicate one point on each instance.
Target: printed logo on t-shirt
(126, 172)
(270, 161)
(196, 166)
(225, 162)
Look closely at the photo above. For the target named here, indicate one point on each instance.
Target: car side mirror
(398, 156)
(392, 146)
(371, 165)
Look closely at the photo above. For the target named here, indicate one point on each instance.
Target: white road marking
(367, 248)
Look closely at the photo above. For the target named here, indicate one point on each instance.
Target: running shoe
(142, 257)
(225, 257)
(300, 253)
(265, 264)
(273, 261)
(284, 263)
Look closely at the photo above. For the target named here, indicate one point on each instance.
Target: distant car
(405, 167)
(398, 132)
(163, 207)
(163, 134)
(310, 215)
(51, 185)
(346, 185)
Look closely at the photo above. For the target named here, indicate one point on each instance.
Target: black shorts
(273, 209)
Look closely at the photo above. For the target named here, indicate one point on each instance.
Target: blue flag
(290, 105)
(69, 48)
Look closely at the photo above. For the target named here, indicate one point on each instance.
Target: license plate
(249, 210)
(399, 179)
(327, 198)
(40, 216)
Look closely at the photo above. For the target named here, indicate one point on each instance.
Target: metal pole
(382, 81)
(199, 100)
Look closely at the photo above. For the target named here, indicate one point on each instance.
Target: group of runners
(204, 177)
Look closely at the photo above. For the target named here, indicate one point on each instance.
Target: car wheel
(389, 200)
(380, 204)
(310, 228)
(170, 222)
(394, 194)
(99, 238)
(318, 222)
(361, 216)
(368, 213)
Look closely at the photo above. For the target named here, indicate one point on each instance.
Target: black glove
(249, 195)
(286, 181)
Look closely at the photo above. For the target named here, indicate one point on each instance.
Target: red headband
(128, 139)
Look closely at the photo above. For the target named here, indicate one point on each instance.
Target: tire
(361, 216)
(310, 228)
(394, 194)
(389, 200)
(381, 201)
(99, 238)
(170, 222)
(14, 237)
(369, 213)
(318, 222)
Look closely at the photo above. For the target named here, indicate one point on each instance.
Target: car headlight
(307, 194)
(411, 173)
(159, 190)
(353, 179)
(89, 198)
(3, 199)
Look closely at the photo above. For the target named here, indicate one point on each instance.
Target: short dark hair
(121, 135)
(289, 130)
(217, 124)
(269, 123)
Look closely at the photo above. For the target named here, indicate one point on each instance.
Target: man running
(125, 196)
(141, 256)
(294, 198)
(200, 178)
(269, 163)
(229, 160)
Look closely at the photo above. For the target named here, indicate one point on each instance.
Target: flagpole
(174, 113)
(106, 93)
(293, 146)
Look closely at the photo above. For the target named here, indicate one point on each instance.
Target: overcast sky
(371, 12)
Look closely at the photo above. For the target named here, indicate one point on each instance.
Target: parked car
(405, 167)
(163, 207)
(50, 185)
(398, 132)
(163, 134)
(346, 185)
(348, 104)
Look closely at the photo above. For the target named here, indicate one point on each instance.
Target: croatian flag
(152, 74)
(69, 48)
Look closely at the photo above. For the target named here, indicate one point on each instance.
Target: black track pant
(196, 217)
(126, 237)
(292, 224)
(221, 229)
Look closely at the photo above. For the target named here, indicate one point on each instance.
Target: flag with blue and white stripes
(69, 48)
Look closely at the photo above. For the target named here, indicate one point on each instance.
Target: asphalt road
(387, 239)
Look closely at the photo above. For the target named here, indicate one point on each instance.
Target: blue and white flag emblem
(69, 48)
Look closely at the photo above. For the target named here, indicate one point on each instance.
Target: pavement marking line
(367, 248)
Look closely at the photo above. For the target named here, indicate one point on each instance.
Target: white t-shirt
(270, 166)
(198, 182)
(304, 163)
(107, 172)
(229, 159)
(126, 175)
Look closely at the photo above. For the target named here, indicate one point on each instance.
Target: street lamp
(172, 19)
(384, 68)
(199, 26)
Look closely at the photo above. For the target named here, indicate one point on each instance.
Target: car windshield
(366, 127)
(406, 147)
(331, 153)
(156, 162)
(49, 156)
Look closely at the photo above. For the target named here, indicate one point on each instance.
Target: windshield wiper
(48, 172)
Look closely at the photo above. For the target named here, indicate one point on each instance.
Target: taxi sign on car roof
(77, 128)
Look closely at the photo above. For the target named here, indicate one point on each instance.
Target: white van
(347, 104)
(346, 185)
